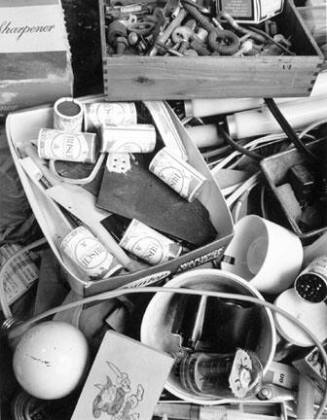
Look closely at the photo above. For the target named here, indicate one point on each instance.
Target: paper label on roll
(88, 253)
(176, 173)
(139, 138)
(148, 244)
(118, 113)
(58, 145)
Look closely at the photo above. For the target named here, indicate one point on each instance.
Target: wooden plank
(180, 77)
(315, 18)
(293, 25)
(102, 29)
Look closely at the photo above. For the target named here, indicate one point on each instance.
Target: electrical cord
(16, 331)
(267, 36)
(311, 127)
(289, 131)
(3, 301)
(228, 139)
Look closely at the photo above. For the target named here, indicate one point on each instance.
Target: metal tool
(220, 40)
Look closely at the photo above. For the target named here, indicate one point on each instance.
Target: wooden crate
(142, 77)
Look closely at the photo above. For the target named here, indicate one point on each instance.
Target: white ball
(50, 359)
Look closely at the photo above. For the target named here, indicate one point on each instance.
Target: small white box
(250, 11)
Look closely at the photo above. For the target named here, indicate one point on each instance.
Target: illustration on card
(116, 398)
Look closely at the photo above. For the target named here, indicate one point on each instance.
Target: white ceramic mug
(264, 253)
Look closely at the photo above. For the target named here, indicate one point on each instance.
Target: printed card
(124, 382)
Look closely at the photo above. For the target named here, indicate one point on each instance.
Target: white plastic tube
(208, 107)
(257, 122)
(205, 135)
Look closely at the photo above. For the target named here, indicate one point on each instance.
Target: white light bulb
(50, 359)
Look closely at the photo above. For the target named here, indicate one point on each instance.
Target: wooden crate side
(132, 77)
(293, 26)
(102, 30)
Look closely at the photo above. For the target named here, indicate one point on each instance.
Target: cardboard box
(35, 63)
(22, 126)
(130, 77)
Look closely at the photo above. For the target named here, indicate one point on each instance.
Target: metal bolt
(133, 38)
(265, 393)
(198, 16)
(282, 40)
(190, 53)
(201, 34)
(121, 45)
(199, 47)
(246, 48)
(220, 40)
(225, 42)
(115, 30)
(164, 36)
(182, 36)
(227, 17)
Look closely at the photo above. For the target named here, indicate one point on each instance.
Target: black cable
(271, 39)
(289, 131)
(227, 138)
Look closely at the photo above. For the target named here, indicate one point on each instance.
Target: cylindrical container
(312, 316)
(88, 253)
(26, 407)
(109, 113)
(138, 138)
(211, 106)
(178, 174)
(68, 115)
(148, 244)
(220, 375)
(283, 375)
(159, 322)
(311, 283)
(61, 145)
(205, 135)
(258, 122)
